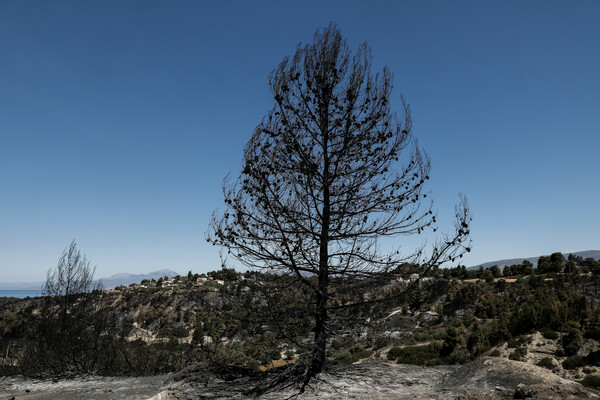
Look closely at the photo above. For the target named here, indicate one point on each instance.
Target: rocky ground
(488, 378)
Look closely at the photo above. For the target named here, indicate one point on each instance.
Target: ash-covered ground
(487, 378)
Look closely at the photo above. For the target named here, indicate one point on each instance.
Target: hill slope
(510, 261)
(124, 279)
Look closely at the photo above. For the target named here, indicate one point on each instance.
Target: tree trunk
(318, 357)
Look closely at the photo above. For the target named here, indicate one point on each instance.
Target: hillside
(120, 279)
(124, 279)
(595, 254)
(216, 334)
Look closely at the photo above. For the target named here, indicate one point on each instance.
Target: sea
(20, 293)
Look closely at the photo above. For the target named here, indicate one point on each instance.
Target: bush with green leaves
(518, 354)
(353, 354)
(574, 362)
(547, 363)
(550, 334)
(573, 338)
(591, 381)
(380, 342)
(593, 358)
(428, 354)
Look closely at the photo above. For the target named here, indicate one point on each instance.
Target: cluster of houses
(169, 283)
(203, 279)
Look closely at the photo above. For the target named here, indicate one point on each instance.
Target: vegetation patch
(550, 334)
(547, 362)
(353, 354)
(518, 354)
(591, 381)
(574, 362)
(428, 354)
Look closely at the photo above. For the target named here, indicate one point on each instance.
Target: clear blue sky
(119, 119)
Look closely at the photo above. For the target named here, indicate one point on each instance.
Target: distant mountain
(121, 279)
(510, 261)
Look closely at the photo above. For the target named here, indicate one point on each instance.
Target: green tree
(573, 338)
(543, 265)
(495, 271)
(571, 265)
(328, 172)
(480, 272)
(527, 267)
(557, 262)
(453, 348)
(475, 342)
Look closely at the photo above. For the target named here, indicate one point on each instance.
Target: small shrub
(417, 355)
(593, 333)
(524, 339)
(518, 354)
(547, 363)
(439, 335)
(591, 381)
(552, 335)
(573, 362)
(458, 356)
(593, 358)
(513, 343)
(394, 353)
(180, 332)
(353, 354)
(380, 342)
(571, 349)
(495, 353)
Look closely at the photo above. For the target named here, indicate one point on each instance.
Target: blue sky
(119, 119)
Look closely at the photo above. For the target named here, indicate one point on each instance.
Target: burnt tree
(328, 172)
